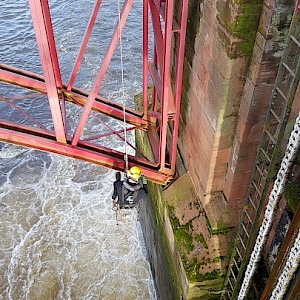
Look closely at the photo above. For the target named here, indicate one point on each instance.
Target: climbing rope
(278, 188)
(123, 90)
(288, 271)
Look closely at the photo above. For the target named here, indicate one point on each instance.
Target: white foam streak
(58, 235)
(73, 248)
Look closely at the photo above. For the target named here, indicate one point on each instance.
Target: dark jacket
(118, 191)
(131, 191)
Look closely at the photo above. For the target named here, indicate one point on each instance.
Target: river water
(58, 235)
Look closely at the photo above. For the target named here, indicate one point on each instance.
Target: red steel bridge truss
(159, 116)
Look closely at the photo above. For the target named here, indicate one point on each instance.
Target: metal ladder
(280, 105)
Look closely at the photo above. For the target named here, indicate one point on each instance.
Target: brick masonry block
(257, 57)
(246, 99)
(224, 155)
(268, 71)
(296, 104)
(236, 190)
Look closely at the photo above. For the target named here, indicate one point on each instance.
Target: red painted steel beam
(84, 44)
(178, 79)
(155, 78)
(116, 132)
(22, 78)
(157, 83)
(102, 70)
(42, 140)
(64, 112)
(145, 57)
(45, 40)
(36, 82)
(154, 93)
(109, 108)
(51, 43)
(160, 52)
(162, 170)
(165, 80)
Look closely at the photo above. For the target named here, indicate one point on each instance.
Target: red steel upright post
(165, 80)
(178, 79)
(45, 40)
(145, 58)
(154, 96)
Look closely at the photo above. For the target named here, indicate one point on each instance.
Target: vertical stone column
(268, 48)
(223, 47)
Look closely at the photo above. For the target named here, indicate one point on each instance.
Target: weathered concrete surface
(203, 251)
(176, 266)
(164, 270)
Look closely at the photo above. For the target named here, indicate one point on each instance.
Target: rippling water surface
(58, 235)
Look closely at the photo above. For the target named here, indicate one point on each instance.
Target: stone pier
(232, 55)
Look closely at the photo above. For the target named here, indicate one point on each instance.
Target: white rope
(123, 90)
(288, 271)
(290, 153)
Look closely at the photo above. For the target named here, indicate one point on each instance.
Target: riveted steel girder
(159, 116)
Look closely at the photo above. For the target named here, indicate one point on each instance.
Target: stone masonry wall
(232, 54)
(230, 72)
(268, 48)
(216, 81)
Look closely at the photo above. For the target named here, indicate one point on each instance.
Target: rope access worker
(129, 191)
(131, 186)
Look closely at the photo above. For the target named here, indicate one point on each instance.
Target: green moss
(219, 259)
(183, 238)
(292, 194)
(243, 27)
(221, 229)
(246, 27)
(155, 196)
(192, 268)
(215, 274)
(200, 239)
(224, 231)
(251, 294)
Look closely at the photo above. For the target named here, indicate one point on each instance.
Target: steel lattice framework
(159, 116)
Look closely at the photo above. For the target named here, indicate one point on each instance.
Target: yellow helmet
(134, 173)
